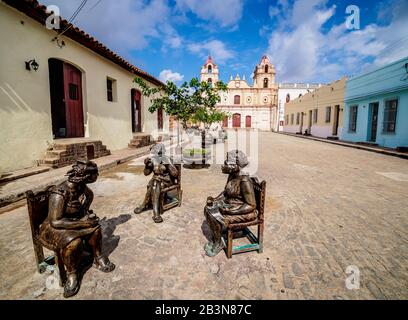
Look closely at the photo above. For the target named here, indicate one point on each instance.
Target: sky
(307, 40)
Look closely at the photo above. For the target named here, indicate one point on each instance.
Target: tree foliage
(193, 101)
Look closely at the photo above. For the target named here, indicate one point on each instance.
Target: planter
(196, 158)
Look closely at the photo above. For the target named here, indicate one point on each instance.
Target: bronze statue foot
(140, 209)
(103, 264)
(157, 219)
(212, 249)
(72, 285)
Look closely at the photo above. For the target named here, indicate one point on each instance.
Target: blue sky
(307, 40)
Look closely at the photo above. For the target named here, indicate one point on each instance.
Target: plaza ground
(327, 208)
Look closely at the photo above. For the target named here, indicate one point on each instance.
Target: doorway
(160, 119)
(309, 128)
(336, 121)
(136, 111)
(236, 120)
(373, 122)
(67, 113)
(225, 122)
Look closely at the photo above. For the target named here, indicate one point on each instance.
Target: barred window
(353, 119)
(315, 116)
(287, 119)
(292, 118)
(328, 114)
(298, 118)
(390, 116)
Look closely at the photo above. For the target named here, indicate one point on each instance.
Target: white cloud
(303, 51)
(225, 12)
(169, 75)
(123, 25)
(216, 48)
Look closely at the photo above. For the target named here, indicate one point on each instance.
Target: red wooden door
(160, 119)
(136, 111)
(236, 120)
(248, 122)
(73, 102)
(225, 124)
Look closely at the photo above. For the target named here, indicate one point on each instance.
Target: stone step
(139, 141)
(65, 153)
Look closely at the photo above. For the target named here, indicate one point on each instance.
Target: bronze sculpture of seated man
(236, 204)
(164, 175)
(70, 224)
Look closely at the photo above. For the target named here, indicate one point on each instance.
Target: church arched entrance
(236, 120)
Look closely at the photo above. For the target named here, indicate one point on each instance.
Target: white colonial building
(60, 93)
(250, 106)
(288, 92)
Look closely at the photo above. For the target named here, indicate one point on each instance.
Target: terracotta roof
(38, 12)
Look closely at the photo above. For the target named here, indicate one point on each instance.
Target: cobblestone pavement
(327, 208)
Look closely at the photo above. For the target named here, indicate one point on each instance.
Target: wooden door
(374, 121)
(248, 122)
(160, 119)
(73, 102)
(136, 111)
(236, 120)
(336, 120)
(225, 124)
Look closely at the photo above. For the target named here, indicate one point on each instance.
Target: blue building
(376, 107)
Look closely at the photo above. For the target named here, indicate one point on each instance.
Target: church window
(210, 69)
(288, 97)
(266, 83)
(237, 99)
(266, 69)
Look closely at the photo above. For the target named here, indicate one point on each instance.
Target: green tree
(192, 101)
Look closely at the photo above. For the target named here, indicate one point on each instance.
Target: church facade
(250, 106)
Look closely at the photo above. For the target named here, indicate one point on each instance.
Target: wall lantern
(32, 64)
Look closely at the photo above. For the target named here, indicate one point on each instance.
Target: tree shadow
(111, 241)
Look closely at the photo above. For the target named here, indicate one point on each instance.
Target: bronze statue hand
(210, 201)
(224, 211)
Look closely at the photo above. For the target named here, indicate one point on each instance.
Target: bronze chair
(239, 230)
(171, 197)
(37, 204)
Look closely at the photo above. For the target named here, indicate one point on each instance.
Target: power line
(74, 15)
(393, 45)
(94, 6)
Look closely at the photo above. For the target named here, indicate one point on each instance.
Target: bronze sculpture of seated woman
(164, 175)
(70, 223)
(237, 203)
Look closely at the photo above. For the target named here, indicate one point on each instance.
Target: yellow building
(319, 113)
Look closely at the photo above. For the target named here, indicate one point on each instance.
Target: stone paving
(327, 208)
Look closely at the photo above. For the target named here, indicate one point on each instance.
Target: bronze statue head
(83, 172)
(158, 150)
(236, 160)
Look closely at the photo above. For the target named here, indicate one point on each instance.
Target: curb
(349, 145)
(21, 194)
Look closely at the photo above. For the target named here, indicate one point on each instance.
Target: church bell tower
(209, 72)
(264, 74)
